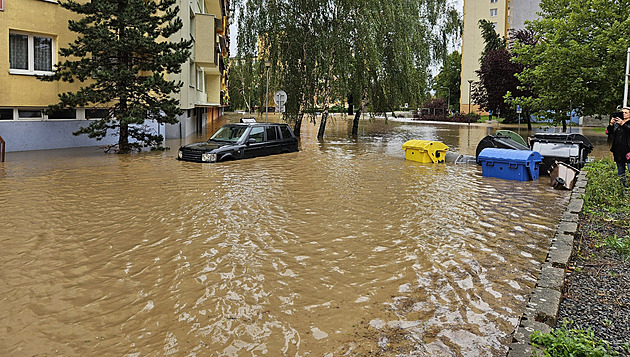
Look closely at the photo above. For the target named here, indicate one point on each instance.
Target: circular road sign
(280, 97)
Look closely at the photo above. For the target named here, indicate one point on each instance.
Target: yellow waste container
(425, 151)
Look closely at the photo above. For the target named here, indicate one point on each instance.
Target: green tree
(491, 38)
(448, 81)
(577, 62)
(121, 55)
(378, 52)
(241, 91)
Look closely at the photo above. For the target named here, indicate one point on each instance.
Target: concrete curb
(541, 313)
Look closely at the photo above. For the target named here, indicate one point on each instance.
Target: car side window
(272, 133)
(286, 133)
(257, 133)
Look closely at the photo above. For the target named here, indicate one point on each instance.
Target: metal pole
(448, 101)
(469, 92)
(267, 98)
(625, 91)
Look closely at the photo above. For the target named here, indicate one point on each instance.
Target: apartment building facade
(505, 15)
(33, 31)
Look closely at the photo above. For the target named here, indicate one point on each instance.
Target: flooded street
(340, 249)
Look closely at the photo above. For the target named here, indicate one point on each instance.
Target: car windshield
(229, 133)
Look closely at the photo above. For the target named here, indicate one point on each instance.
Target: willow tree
(122, 54)
(577, 60)
(380, 52)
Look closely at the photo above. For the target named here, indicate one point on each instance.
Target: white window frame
(200, 79)
(494, 12)
(31, 55)
(40, 118)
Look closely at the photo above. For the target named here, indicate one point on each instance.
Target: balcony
(205, 40)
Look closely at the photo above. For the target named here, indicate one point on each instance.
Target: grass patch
(567, 341)
(604, 192)
(620, 244)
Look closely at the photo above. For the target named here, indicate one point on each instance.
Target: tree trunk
(123, 129)
(123, 139)
(355, 122)
(357, 116)
(322, 124)
(529, 121)
(564, 125)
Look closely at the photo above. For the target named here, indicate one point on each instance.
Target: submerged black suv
(241, 141)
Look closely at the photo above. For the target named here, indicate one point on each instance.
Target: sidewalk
(541, 312)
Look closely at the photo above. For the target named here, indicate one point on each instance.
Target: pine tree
(122, 53)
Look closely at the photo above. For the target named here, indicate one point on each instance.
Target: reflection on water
(341, 248)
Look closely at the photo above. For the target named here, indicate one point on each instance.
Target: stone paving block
(551, 278)
(570, 217)
(559, 254)
(521, 346)
(575, 205)
(546, 303)
(566, 239)
(567, 227)
(527, 328)
(578, 192)
(520, 350)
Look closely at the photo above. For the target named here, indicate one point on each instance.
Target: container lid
(512, 135)
(510, 155)
(564, 138)
(425, 145)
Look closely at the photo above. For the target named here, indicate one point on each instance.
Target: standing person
(619, 133)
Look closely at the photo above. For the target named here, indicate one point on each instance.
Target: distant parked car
(241, 141)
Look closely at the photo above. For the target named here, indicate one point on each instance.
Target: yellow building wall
(213, 7)
(36, 17)
(204, 40)
(213, 84)
(473, 43)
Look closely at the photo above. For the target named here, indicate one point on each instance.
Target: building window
(200, 79)
(494, 25)
(30, 113)
(494, 1)
(493, 12)
(30, 54)
(6, 114)
(192, 75)
(96, 113)
(63, 114)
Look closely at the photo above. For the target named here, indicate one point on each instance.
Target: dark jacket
(620, 137)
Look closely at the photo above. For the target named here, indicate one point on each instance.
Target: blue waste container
(519, 165)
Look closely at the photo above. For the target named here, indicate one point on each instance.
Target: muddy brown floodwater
(343, 248)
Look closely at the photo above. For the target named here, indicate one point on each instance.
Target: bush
(463, 118)
(604, 191)
(566, 341)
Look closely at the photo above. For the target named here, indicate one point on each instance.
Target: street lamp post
(448, 101)
(469, 91)
(267, 65)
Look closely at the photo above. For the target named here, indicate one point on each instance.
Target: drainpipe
(3, 145)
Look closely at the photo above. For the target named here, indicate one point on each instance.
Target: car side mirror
(251, 141)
